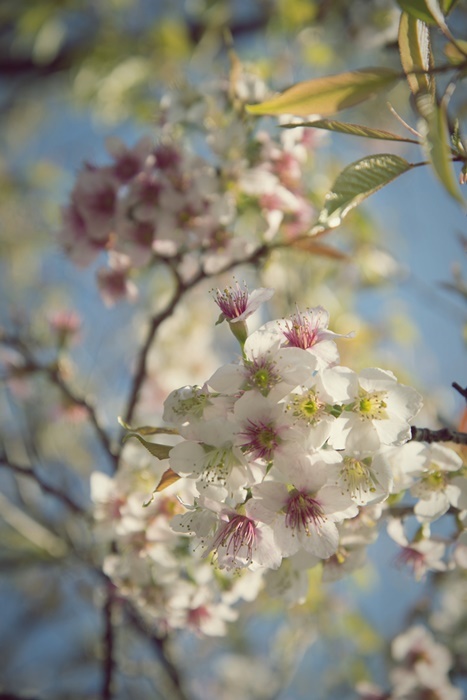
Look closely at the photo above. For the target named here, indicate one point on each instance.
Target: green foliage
(427, 10)
(157, 450)
(357, 182)
(353, 130)
(326, 96)
(415, 53)
(435, 138)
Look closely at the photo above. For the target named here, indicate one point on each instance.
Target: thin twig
(159, 644)
(57, 379)
(109, 664)
(53, 372)
(403, 122)
(181, 289)
(462, 392)
(30, 473)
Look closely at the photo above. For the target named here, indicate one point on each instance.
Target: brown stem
(109, 665)
(443, 435)
(30, 473)
(53, 372)
(181, 289)
(462, 392)
(159, 644)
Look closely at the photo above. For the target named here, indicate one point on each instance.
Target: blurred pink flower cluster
(207, 186)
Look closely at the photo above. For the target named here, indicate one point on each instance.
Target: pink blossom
(238, 304)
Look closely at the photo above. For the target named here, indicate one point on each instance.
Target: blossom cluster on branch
(168, 200)
(285, 460)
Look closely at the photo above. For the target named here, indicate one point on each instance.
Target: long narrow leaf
(417, 9)
(357, 182)
(435, 134)
(415, 53)
(328, 95)
(352, 130)
(430, 11)
(147, 429)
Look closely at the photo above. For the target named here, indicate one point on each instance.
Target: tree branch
(159, 645)
(30, 473)
(109, 665)
(443, 435)
(53, 372)
(462, 392)
(155, 322)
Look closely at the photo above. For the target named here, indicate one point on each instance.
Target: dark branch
(30, 473)
(53, 372)
(181, 290)
(109, 665)
(443, 435)
(57, 379)
(159, 644)
(462, 392)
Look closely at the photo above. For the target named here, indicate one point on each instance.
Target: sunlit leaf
(454, 53)
(415, 53)
(328, 95)
(157, 450)
(448, 5)
(430, 11)
(435, 138)
(352, 130)
(357, 182)
(168, 478)
(147, 429)
(417, 9)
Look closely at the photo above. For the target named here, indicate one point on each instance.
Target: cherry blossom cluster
(284, 460)
(294, 457)
(286, 446)
(150, 565)
(421, 670)
(205, 190)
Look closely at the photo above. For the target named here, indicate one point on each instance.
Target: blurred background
(73, 74)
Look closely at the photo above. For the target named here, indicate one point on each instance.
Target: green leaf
(415, 53)
(357, 182)
(157, 450)
(147, 429)
(352, 130)
(417, 9)
(436, 143)
(447, 5)
(328, 95)
(454, 53)
(168, 478)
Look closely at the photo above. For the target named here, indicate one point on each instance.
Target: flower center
(191, 405)
(302, 510)
(357, 476)
(235, 534)
(218, 464)
(413, 558)
(262, 439)
(372, 406)
(434, 480)
(232, 302)
(262, 374)
(300, 332)
(307, 407)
